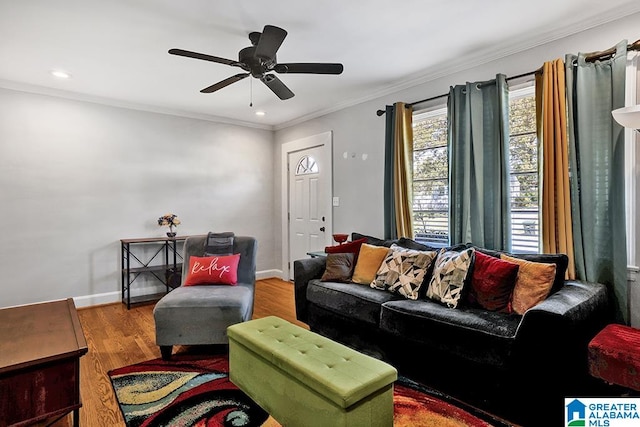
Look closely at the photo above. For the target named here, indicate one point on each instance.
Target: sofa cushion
(560, 260)
(490, 252)
(471, 333)
(532, 285)
(349, 247)
(339, 267)
(412, 244)
(492, 282)
(369, 261)
(350, 300)
(403, 271)
(450, 272)
(373, 240)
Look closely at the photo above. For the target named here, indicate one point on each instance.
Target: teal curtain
(390, 231)
(479, 205)
(596, 163)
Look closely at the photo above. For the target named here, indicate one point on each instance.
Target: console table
(165, 264)
(40, 350)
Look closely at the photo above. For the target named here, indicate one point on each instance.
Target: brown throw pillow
(339, 267)
(369, 260)
(532, 285)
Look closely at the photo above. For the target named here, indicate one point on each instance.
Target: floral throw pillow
(450, 273)
(403, 271)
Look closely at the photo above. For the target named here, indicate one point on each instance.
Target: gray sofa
(467, 351)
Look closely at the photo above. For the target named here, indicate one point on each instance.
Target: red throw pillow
(349, 247)
(213, 270)
(492, 282)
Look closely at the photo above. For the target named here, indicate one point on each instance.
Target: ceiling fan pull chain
(250, 92)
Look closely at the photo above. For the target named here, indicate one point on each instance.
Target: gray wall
(357, 129)
(75, 177)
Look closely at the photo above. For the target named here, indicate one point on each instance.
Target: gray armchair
(195, 315)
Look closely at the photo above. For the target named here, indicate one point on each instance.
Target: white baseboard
(111, 297)
(268, 274)
(97, 299)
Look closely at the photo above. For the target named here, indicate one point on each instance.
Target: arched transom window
(306, 165)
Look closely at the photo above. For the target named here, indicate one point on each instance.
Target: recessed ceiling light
(260, 113)
(60, 74)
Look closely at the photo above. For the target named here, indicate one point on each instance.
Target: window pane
(524, 191)
(431, 227)
(522, 114)
(430, 163)
(525, 230)
(523, 153)
(430, 177)
(430, 132)
(524, 179)
(306, 165)
(431, 195)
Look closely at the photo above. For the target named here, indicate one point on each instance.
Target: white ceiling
(116, 50)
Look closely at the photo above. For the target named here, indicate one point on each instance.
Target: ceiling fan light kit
(259, 59)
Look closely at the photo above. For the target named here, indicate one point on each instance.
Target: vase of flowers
(170, 220)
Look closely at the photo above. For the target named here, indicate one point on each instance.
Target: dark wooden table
(40, 350)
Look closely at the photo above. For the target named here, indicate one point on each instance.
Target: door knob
(322, 229)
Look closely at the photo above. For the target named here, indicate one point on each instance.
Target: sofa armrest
(556, 332)
(577, 302)
(305, 270)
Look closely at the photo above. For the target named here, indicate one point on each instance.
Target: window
(431, 174)
(524, 178)
(306, 165)
(431, 177)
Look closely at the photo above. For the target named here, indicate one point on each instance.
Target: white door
(308, 201)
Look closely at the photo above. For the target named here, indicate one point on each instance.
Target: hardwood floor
(119, 337)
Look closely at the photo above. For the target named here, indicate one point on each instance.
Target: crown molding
(470, 61)
(59, 93)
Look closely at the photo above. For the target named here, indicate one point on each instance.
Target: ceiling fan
(259, 59)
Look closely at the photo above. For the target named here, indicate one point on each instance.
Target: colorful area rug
(192, 391)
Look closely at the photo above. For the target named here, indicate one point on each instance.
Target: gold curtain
(403, 169)
(557, 232)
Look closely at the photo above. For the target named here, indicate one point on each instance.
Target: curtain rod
(381, 112)
(606, 54)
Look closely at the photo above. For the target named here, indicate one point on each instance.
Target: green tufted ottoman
(304, 379)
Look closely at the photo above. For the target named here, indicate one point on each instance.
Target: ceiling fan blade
(276, 85)
(196, 55)
(270, 41)
(309, 68)
(224, 83)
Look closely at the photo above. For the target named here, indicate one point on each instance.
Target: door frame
(320, 140)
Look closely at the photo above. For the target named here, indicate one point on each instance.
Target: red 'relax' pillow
(348, 247)
(213, 270)
(492, 282)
